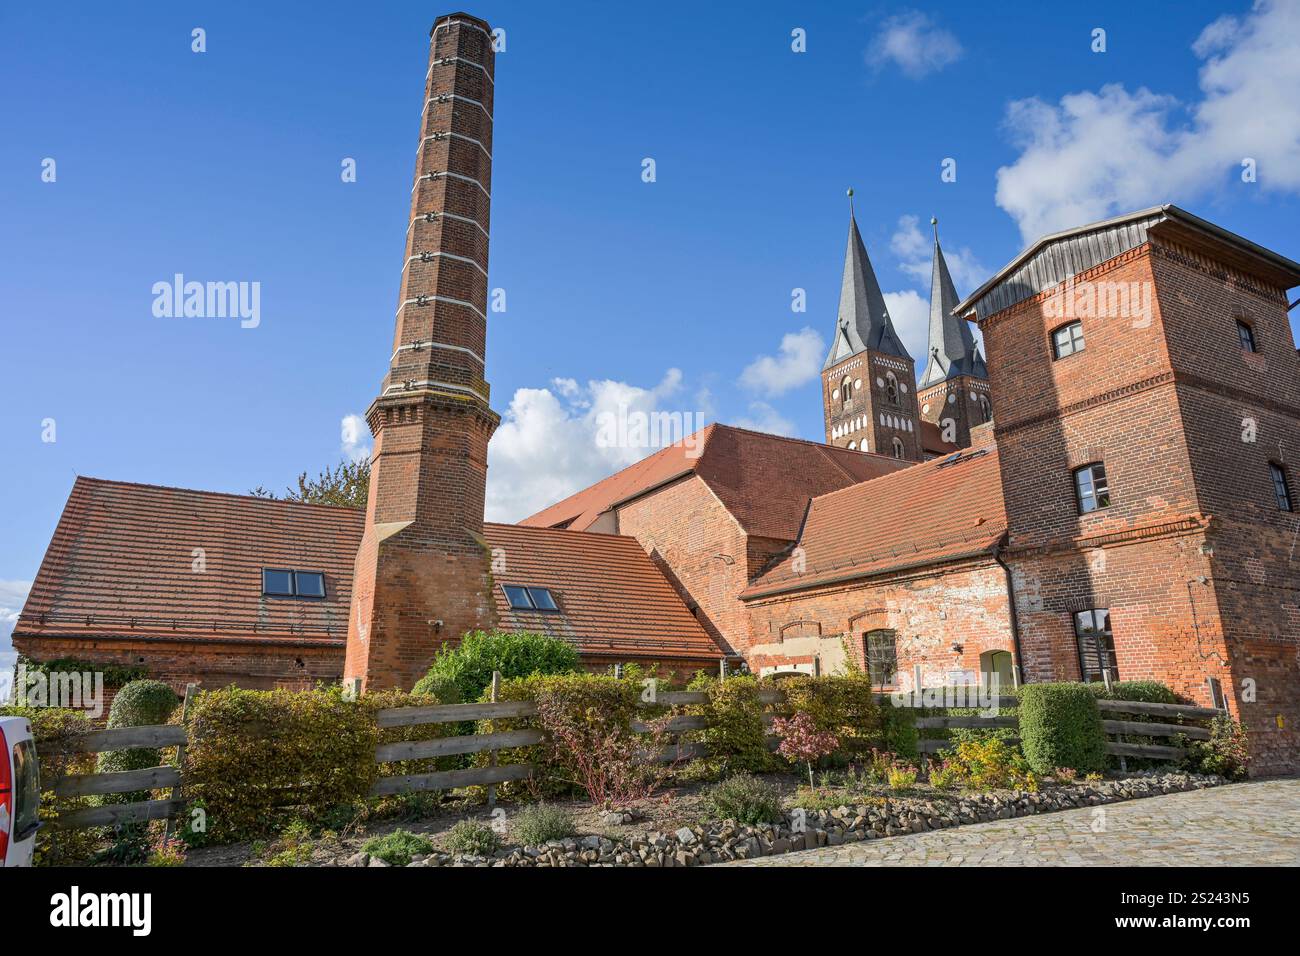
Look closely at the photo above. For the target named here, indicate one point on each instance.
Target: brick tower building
(422, 571)
(1148, 420)
(954, 389)
(869, 379)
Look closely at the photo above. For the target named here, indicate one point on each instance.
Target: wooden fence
(1120, 728)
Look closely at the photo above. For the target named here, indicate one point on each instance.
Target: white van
(20, 792)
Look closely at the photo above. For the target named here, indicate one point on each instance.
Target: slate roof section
(764, 481)
(931, 513)
(121, 564)
(863, 322)
(614, 601)
(952, 348)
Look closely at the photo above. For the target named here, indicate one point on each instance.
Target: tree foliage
(347, 484)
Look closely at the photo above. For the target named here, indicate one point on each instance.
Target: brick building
(1110, 492)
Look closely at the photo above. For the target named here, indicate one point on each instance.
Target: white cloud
(799, 361)
(557, 440)
(1112, 151)
(355, 436)
(915, 250)
(764, 418)
(911, 314)
(911, 41)
(13, 594)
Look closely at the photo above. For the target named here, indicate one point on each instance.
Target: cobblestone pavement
(1243, 824)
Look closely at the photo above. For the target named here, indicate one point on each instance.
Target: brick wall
(954, 405)
(859, 422)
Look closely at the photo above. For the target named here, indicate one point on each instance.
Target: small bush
(52, 725)
(735, 737)
(1147, 691)
(539, 823)
(473, 839)
(260, 758)
(899, 730)
(141, 703)
(167, 852)
(990, 765)
(802, 742)
(745, 799)
(844, 705)
(469, 665)
(1226, 753)
(399, 847)
(1060, 726)
(293, 847)
(902, 777)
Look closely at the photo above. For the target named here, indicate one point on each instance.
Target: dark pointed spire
(951, 349)
(863, 322)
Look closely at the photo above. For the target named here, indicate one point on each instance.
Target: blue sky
(672, 295)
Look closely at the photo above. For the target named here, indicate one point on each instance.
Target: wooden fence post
(180, 759)
(492, 757)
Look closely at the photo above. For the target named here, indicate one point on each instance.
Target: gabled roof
(764, 481)
(932, 513)
(613, 600)
(141, 560)
(123, 564)
(1060, 255)
(952, 349)
(863, 321)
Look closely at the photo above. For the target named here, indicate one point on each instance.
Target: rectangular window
(529, 598)
(1281, 490)
(882, 657)
(277, 583)
(309, 583)
(1091, 488)
(1096, 644)
(1246, 335)
(1068, 339)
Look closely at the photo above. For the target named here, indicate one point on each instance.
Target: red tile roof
(930, 513)
(932, 440)
(122, 557)
(614, 601)
(765, 481)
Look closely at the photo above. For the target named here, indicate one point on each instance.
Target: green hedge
(260, 758)
(1060, 726)
(736, 738)
(1146, 691)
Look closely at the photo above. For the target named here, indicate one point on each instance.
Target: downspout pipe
(1011, 611)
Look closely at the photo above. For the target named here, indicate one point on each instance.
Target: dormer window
(283, 582)
(523, 598)
(1067, 340)
(1246, 336)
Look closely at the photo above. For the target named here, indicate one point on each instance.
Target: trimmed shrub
(744, 798)
(469, 665)
(538, 823)
(899, 730)
(735, 736)
(1060, 726)
(399, 847)
(842, 705)
(141, 703)
(1225, 753)
(469, 837)
(257, 758)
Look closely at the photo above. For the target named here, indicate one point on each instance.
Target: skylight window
(282, 582)
(529, 598)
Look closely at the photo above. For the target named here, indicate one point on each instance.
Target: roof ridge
(541, 527)
(934, 464)
(216, 494)
(824, 446)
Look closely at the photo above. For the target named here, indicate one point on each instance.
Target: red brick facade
(869, 402)
(422, 573)
(955, 406)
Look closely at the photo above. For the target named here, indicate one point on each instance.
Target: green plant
(115, 675)
(472, 839)
(141, 703)
(735, 737)
(942, 774)
(744, 798)
(129, 845)
(902, 777)
(260, 758)
(843, 705)
(469, 665)
(167, 852)
(539, 823)
(293, 847)
(1226, 753)
(399, 847)
(1060, 726)
(990, 764)
(802, 741)
(898, 730)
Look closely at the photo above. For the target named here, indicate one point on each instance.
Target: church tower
(868, 380)
(954, 389)
(422, 571)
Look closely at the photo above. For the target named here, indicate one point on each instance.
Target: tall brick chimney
(422, 571)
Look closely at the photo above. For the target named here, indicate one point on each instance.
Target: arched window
(882, 656)
(986, 410)
(891, 388)
(898, 448)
